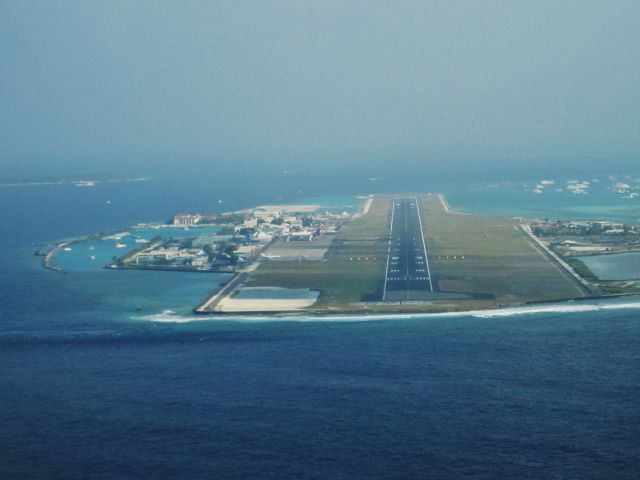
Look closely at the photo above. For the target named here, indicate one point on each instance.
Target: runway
(407, 276)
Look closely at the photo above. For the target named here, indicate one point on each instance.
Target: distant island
(395, 253)
(81, 182)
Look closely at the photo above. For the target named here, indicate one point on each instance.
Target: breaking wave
(170, 316)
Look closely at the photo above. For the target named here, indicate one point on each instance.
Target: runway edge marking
(424, 246)
(386, 272)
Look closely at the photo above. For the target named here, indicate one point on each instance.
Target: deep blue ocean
(108, 375)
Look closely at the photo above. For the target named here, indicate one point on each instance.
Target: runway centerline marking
(407, 274)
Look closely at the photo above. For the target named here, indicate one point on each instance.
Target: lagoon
(618, 266)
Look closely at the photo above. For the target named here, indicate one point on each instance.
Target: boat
(92, 257)
(67, 249)
(120, 245)
(84, 183)
(141, 240)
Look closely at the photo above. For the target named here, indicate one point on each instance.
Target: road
(408, 276)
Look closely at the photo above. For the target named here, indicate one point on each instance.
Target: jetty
(52, 253)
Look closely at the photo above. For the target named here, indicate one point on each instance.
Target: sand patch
(272, 300)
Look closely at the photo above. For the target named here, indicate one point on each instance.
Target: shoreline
(579, 305)
(391, 312)
(56, 247)
(111, 266)
(53, 251)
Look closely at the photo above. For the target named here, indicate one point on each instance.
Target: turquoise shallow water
(124, 292)
(517, 199)
(92, 254)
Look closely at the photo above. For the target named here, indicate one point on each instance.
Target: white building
(186, 219)
(267, 214)
(263, 237)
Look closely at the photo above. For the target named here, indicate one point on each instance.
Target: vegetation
(617, 289)
(224, 219)
(581, 269)
(490, 259)
(489, 255)
(222, 250)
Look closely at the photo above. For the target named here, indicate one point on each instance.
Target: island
(390, 254)
(405, 253)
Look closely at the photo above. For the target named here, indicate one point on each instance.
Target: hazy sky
(183, 79)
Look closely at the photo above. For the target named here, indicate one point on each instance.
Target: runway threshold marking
(411, 264)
